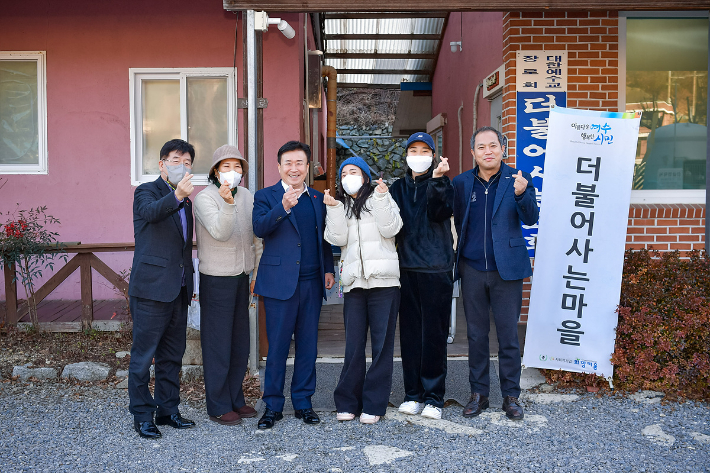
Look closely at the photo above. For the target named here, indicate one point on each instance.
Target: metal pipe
(460, 139)
(251, 101)
(475, 108)
(252, 137)
(331, 105)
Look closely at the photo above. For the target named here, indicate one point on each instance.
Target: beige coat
(226, 245)
(368, 253)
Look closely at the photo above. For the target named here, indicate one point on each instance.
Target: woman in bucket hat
(363, 221)
(228, 251)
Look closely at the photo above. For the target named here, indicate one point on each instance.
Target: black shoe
(147, 429)
(308, 416)
(512, 408)
(269, 418)
(175, 420)
(475, 405)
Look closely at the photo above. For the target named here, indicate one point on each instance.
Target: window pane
(161, 119)
(207, 119)
(19, 125)
(666, 80)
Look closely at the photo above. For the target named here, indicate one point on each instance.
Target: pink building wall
(457, 75)
(90, 47)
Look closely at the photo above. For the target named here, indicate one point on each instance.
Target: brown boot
(230, 418)
(512, 408)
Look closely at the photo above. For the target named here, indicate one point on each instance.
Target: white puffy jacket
(368, 253)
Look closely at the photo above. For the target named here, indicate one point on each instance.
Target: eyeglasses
(177, 161)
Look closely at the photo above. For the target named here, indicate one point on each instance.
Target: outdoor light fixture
(262, 22)
(454, 44)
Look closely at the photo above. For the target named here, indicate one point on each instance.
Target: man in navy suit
(296, 269)
(490, 201)
(160, 289)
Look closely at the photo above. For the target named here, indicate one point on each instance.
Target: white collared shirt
(304, 191)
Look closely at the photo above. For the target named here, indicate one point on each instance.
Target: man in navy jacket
(160, 290)
(295, 270)
(490, 201)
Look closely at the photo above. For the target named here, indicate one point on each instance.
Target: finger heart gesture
(226, 193)
(520, 183)
(442, 168)
(381, 186)
(328, 199)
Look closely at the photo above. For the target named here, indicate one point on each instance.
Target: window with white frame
(196, 105)
(665, 77)
(23, 112)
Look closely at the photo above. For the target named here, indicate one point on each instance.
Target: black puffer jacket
(426, 204)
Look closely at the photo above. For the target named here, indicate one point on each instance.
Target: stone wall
(386, 155)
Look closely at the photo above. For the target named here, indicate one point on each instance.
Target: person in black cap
(425, 198)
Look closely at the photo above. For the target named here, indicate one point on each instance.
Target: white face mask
(233, 178)
(352, 183)
(419, 163)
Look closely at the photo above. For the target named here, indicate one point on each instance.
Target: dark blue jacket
(280, 262)
(161, 253)
(509, 246)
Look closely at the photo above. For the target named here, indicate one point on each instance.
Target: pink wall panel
(90, 47)
(457, 75)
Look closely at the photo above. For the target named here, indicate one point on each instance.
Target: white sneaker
(345, 416)
(431, 412)
(368, 419)
(411, 407)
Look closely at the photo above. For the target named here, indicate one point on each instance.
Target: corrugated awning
(383, 49)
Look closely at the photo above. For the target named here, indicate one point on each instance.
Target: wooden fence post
(87, 301)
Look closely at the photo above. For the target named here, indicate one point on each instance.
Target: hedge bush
(663, 335)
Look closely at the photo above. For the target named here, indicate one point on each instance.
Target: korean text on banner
(541, 83)
(581, 240)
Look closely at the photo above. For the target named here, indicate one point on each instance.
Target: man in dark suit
(160, 289)
(296, 269)
(490, 201)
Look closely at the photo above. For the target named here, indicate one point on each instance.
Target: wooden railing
(84, 260)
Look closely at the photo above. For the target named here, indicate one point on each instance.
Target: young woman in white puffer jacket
(363, 221)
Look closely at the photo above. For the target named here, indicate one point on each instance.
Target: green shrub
(663, 335)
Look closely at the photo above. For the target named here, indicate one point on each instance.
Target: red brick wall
(666, 227)
(591, 40)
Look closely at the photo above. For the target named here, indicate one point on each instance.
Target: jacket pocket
(270, 260)
(517, 242)
(155, 261)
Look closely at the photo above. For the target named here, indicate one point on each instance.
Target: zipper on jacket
(485, 216)
(359, 245)
(485, 229)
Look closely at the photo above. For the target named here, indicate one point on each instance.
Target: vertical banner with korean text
(541, 83)
(581, 240)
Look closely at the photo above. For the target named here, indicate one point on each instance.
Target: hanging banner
(581, 240)
(541, 83)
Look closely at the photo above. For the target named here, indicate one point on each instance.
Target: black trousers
(483, 291)
(369, 392)
(158, 332)
(224, 332)
(423, 329)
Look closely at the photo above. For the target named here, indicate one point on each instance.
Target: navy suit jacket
(279, 266)
(161, 253)
(509, 246)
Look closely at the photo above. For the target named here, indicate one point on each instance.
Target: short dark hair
(293, 146)
(501, 139)
(177, 145)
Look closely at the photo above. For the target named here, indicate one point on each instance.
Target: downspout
(331, 97)
(475, 108)
(460, 139)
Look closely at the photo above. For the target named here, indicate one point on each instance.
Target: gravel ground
(58, 427)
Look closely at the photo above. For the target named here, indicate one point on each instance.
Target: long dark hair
(357, 205)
